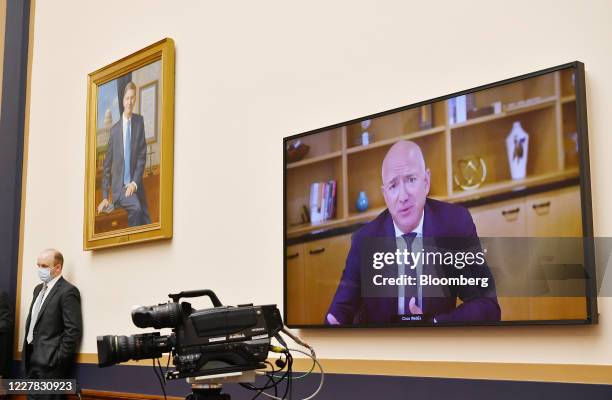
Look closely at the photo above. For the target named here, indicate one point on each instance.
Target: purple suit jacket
(442, 220)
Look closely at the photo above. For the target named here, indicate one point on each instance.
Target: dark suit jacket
(441, 220)
(6, 329)
(114, 163)
(57, 331)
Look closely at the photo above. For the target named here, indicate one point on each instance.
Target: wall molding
(26, 136)
(104, 395)
(562, 373)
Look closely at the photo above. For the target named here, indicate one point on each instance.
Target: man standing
(411, 214)
(6, 328)
(54, 325)
(124, 164)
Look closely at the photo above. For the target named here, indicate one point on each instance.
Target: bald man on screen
(411, 214)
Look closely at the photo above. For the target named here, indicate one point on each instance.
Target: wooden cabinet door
(554, 214)
(504, 219)
(295, 285)
(325, 260)
(514, 308)
(555, 308)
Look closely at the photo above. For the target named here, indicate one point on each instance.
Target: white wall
(249, 73)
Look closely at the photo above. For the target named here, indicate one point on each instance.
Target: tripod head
(209, 387)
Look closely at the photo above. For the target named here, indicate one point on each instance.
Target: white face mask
(44, 274)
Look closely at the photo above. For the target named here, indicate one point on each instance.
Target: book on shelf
(463, 108)
(460, 109)
(451, 111)
(322, 201)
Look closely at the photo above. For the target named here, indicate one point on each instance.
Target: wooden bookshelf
(510, 185)
(536, 105)
(545, 106)
(306, 228)
(313, 160)
(390, 141)
(567, 99)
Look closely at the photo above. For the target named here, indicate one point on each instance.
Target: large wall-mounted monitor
(469, 209)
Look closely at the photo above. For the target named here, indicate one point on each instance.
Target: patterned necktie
(406, 291)
(409, 238)
(127, 154)
(35, 312)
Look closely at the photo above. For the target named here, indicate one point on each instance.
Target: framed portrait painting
(129, 152)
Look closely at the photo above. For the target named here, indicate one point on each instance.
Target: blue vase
(362, 202)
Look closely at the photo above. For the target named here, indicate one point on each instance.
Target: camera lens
(117, 349)
(167, 315)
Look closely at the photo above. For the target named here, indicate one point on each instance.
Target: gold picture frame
(118, 155)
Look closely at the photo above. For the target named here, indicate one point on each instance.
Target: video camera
(211, 341)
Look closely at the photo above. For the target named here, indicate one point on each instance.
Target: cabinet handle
(292, 256)
(317, 251)
(510, 212)
(541, 208)
(541, 205)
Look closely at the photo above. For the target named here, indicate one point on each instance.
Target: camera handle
(197, 293)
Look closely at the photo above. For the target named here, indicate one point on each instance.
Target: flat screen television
(472, 208)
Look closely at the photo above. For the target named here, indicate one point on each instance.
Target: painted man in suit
(124, 164)
(54, 325)
(410, 214)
